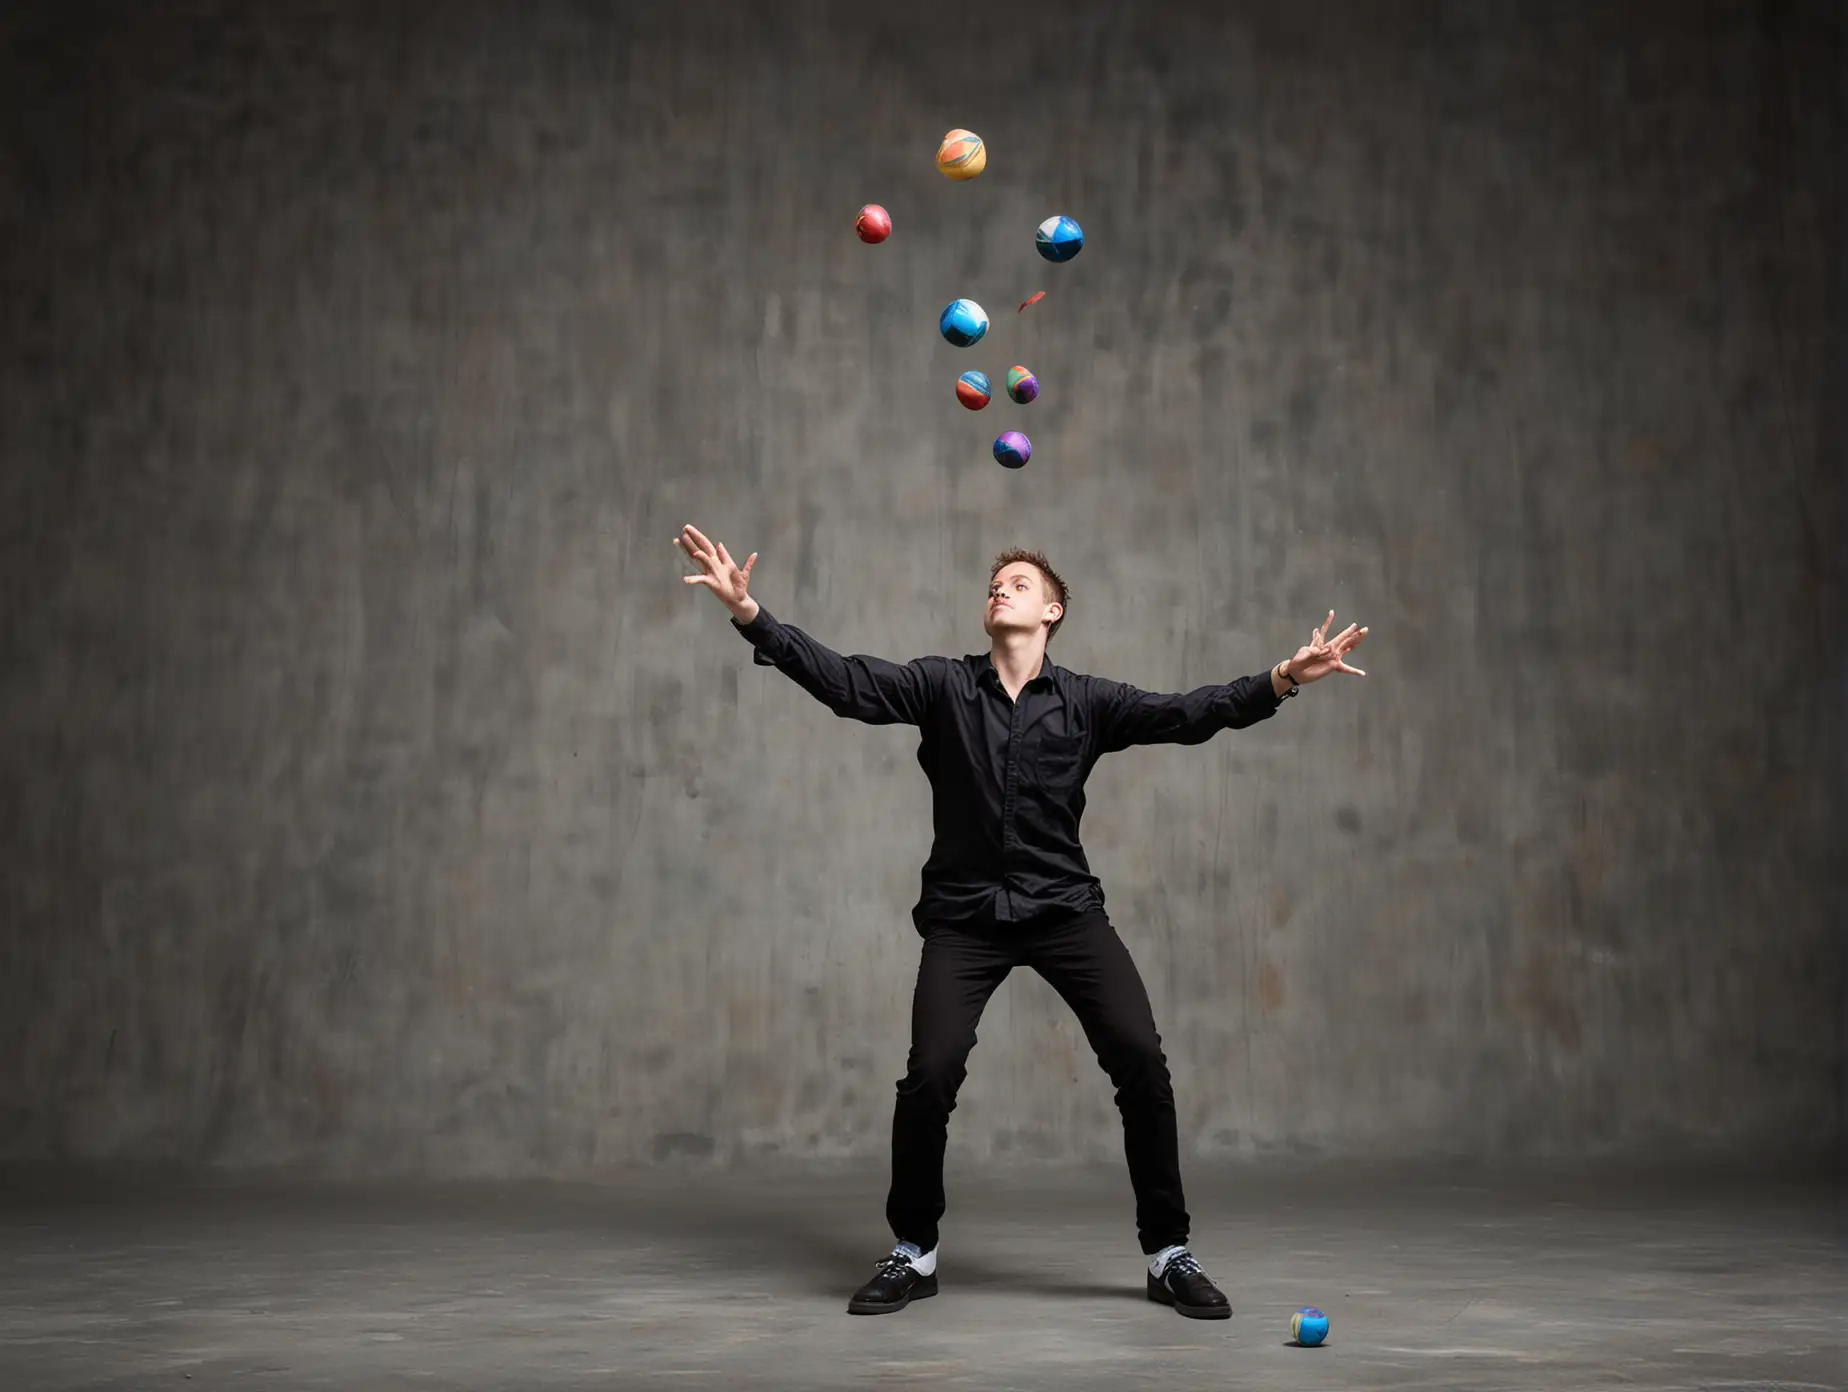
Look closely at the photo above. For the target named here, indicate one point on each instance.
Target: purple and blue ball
(1013, 450)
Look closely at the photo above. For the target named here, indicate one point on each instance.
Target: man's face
(1017, 601)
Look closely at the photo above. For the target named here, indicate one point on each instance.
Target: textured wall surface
(374, 795)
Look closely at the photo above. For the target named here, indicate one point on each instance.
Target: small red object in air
(873, 224)
(1034, 298)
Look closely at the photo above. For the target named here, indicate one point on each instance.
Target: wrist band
(1290, 677)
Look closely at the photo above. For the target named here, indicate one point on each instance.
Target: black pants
(1085, 961)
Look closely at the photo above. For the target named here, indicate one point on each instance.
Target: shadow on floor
(741, 1225)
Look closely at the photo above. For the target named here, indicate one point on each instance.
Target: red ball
(874, 224)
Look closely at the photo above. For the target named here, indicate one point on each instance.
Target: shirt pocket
(1058, 766)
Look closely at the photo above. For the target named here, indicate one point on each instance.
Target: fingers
(713, 555)
(1342, 642)
(701, 548)
(1351, 671)
(691, 552)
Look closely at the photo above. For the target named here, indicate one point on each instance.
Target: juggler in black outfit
(1007, 884)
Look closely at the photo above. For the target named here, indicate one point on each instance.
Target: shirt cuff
(757, 633)
(1265, 693)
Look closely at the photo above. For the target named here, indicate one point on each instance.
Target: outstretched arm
(855, 687)
(1126, 715)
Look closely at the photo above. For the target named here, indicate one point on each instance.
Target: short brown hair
(1036, 559)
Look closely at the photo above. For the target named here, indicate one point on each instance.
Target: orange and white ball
(962, 155)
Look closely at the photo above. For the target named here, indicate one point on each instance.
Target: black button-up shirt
(1007, 776)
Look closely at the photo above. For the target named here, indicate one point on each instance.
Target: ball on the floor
(963, 322)
(1309, 1326)
(1059, 239)
(1013, 450)
(1022, 386)
(962, 155)
(972, 390)
(874, 223)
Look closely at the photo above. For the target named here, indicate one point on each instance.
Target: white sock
(1159, 1262)
(924, 1263)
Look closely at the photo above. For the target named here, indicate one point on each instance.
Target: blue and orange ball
(972, 390)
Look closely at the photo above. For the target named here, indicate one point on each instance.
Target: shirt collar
(1045, 673)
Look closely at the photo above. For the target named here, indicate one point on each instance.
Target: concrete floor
(1454, 1280)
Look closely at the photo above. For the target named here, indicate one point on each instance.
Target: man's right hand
(719, 572)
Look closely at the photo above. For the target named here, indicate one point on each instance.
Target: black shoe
(896, 1286)
(1188, 1289)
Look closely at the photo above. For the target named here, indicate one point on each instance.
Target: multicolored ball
(1309, 1326)
(1013, 450)
(874, 223)
(1022, 385)
(962, 155)
(1059, 239)
(972, 390)
(963, 322)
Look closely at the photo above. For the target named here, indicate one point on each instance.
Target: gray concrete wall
(373, 794)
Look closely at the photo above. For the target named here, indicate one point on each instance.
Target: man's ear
(1058, 610)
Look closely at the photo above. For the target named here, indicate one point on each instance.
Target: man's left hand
(1322, 654)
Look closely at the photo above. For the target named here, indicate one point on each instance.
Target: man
(1007, 740)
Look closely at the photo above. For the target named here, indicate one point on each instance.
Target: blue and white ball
(963, 322)
(1059, 239)
(1309, 1326)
